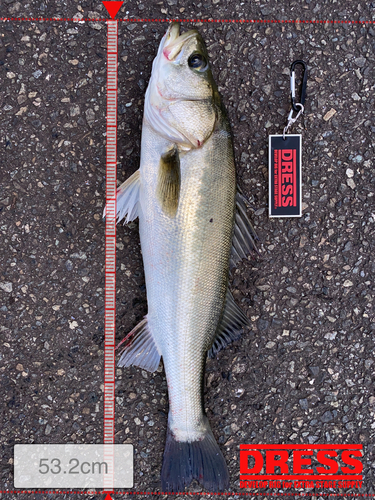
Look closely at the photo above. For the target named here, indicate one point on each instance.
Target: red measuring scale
(110, 253)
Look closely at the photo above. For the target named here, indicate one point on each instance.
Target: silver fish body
(186, 267)
(185, 197)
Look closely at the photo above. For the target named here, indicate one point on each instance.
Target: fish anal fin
(230, 327)
(169, 181)
(244, 235)
(127, 199)
(140, 348)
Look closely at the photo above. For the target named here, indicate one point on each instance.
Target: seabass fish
(192, 223)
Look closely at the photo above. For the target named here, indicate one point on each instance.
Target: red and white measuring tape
(110, 253)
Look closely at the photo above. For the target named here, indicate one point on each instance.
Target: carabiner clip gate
(293, 84)
(297, 107)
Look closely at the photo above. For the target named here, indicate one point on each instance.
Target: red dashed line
(192, 493)
(167, 20)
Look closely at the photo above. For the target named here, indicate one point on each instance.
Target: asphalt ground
(305, 371)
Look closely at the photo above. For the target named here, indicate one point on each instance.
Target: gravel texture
(305, 373)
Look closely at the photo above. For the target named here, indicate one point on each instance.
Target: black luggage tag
(285, 186)
(285, 161)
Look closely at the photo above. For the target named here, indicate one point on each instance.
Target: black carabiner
(293, 84)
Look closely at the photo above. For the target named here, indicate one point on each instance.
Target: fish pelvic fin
(127, 199)
(230, 327)
(140, 348)
(244, 236)
(202, 460)
(169, 181)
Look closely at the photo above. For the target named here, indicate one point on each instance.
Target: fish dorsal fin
(140, 348)
(244, 236)
(230, 327)
(127, 199)
(169, 180)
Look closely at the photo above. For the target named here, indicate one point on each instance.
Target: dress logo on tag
(285, 176)
(285, 165)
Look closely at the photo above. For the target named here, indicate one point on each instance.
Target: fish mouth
(174, 42)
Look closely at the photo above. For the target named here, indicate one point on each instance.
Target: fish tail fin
(201, 460)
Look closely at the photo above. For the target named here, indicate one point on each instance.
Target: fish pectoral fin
(244, 236)
(140, 348)
(127, 199)
(169, 181)
(230, 327)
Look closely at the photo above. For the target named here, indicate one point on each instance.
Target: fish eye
(197, 62)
